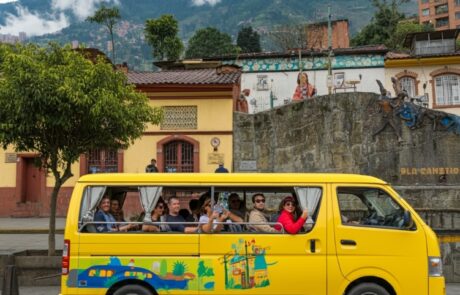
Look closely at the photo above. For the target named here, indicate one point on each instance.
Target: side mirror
(407, 220)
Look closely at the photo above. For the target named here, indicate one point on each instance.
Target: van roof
(228, 178)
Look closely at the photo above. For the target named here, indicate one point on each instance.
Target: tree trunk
(113, 48)
(52, 229)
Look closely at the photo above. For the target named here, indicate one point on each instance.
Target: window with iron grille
(447, 90)
(178, 156)
(102, 161)
(408, 84)
(179, 117)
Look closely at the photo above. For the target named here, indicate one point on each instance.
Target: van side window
(369, 207)
(124, 216)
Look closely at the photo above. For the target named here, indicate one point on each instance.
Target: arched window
(102, 161)
(178, 156)
(447, 90)
(408, 84)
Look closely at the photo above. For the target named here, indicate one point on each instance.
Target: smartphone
(218, 208)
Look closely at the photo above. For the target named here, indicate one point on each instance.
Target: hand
(224, 215)
(214, 215)
(304, 214)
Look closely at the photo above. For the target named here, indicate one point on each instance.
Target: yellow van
(360, 237)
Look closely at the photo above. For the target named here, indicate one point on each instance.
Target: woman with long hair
(291, 217)
(156, 216)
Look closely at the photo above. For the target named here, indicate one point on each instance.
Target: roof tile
(186, 77)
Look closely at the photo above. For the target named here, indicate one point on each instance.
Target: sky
(56, 19)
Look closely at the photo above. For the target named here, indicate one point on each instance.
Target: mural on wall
(403, 107)
(308, 63)
(304, 89)
(245, 266)
(161, 274)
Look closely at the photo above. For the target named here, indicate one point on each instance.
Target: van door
(268, 263)
(372, 239)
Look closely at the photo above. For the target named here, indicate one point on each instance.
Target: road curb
(28, 231)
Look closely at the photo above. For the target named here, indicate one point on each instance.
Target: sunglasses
(289, 204)
(260, 201)
(160, 207)
(207, 205)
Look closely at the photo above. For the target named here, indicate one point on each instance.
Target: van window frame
(413, 227)
(246, 190)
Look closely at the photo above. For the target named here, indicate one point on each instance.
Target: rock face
(335, 134)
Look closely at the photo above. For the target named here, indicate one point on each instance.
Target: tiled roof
(366, 49)
(400, 55)
(185, 77)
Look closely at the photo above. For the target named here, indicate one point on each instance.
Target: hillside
(227, 15)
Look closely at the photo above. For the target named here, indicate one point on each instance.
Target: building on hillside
(430, 71)
(195, 135)
(272, 76)
(442, 14)
(317, 35)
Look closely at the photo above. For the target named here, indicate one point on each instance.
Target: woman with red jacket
(289, 210)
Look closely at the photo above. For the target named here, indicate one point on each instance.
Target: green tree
(402, 29)
(107, 17)
(161, 34)
(248, 40)
(383, 24)
(209, 42)
(59, 104)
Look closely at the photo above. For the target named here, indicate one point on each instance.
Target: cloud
(80, 8)
(203, 2)
(7, 1)
(35, 24)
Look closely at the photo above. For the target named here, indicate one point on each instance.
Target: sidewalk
(29, 225)
(19, 234)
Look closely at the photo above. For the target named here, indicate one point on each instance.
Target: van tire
(132, 290)
(368, 289)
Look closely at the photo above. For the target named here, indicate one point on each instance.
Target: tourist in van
(258, 215)
(209, 217)
(156, 216)
(174, 216)
(292, 218)
(236, 206)
(103, 215)
(116, 211)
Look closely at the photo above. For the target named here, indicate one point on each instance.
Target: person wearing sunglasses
(258, 216)
(236, 205)
(292, 218)
(157, 216)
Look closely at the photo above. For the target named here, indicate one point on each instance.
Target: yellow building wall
(393, 67)
(8, 170)
(212, 115)
(138, 156)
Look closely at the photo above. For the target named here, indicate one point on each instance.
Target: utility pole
(329, 44)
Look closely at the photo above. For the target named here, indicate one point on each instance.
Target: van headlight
(434, 266)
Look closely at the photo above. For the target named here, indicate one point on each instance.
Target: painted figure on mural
(389, 106)
(304, 89)
(242, 102)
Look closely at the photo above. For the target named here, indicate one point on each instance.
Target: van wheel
(132, 290)
(368, 289)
